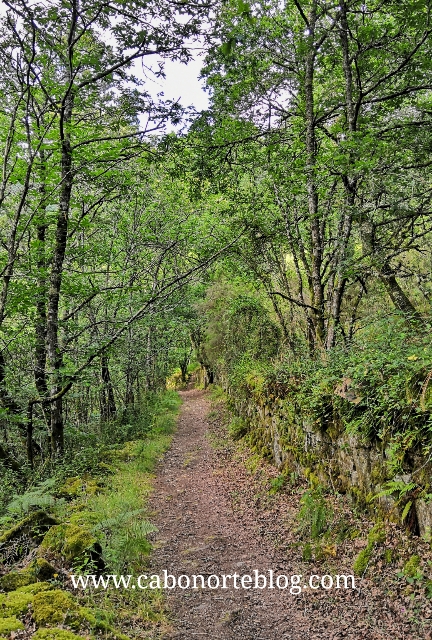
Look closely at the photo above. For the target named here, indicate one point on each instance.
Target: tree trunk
(108, 406)
(385, 273)
(345, 226)
(148, 361)
(41, 297)
(317, 293)
(183, 368)
(54, 356)
(396, 294)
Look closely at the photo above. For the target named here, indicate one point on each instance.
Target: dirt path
(200, 534)
(204, 529)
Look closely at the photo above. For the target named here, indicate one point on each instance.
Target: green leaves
(227, 47)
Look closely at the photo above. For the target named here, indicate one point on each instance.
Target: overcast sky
(181, 83)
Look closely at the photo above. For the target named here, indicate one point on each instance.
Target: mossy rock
(7, 625)
(43, 569)
(37, 587)
(17, 602)
(16, 579)
(69, 540)
(59, 607)
(56, 607)
(56, 634)
(38, 570)
(78, 486)
(33, 526)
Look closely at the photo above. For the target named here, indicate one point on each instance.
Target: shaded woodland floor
(215, 515)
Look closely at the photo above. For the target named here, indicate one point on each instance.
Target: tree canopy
(284, 225)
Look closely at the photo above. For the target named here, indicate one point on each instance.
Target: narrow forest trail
(201, 530)
(199, 533)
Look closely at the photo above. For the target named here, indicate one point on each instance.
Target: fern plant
(314, 514)
(129, 544)
(39, 497)
(403, 490)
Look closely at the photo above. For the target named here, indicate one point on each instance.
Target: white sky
(181, 83)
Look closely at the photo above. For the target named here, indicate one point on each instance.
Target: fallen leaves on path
(216, 514)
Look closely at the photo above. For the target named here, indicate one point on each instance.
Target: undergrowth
(106, 508)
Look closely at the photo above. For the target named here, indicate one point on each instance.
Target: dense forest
(279, 241)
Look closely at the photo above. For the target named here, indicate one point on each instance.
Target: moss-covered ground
(93, 525)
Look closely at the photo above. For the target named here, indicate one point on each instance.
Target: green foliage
(241, 335)
(56, 634)
(237, 428)
(69, 540)
(39, 497)
(116, 516)
(411, 567)
(10, 485)
(38, 570)
(17, 602)
(314, 514)
(112, 512)
(307, 553)
(396, 486)
(373, 390)
(55, 607)
(277, 484)
(376, 536)
(388, 556)
(217, 393)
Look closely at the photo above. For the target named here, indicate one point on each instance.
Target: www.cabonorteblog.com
(295, 584)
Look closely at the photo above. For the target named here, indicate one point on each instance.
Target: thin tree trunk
(312, 191)
(345, 227)
(54, 356)
(108, 406)
(385, 273)
(148, 359)
(396, 294)
(41, 296)
(129, 399)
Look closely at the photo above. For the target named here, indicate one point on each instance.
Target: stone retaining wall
(333, 457)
